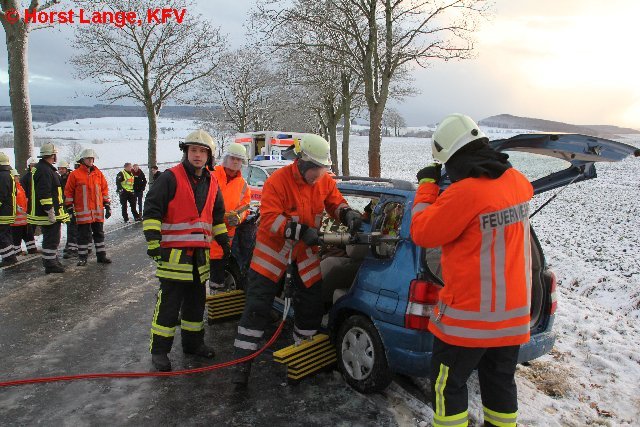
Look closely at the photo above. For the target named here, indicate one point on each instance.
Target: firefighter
(46, 207)
(292, 205)
(183, 212)
(124, 187)
(71, 247)
(87, 196)
(19, 226)
(482, 223)
(139, 185)
(25, 182)
(236, 195)
(7, 211)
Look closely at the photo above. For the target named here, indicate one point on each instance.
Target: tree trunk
(153, 136)
(332, 125)
(375, 140)
(17, 38)
(346, 130)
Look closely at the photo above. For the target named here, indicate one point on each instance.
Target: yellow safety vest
(127, 183)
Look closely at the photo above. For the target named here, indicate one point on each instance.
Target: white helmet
(313, 148)
(234, 150)
(4, 159)
(454, 132)
(87, 152)
(48, 149)
(15, 172)
(63, 164)
(199, 137)
(31, 161)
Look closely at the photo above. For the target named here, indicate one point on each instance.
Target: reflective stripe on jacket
(182, 226)
(7, 197)
(46, 192)
(236, 194)
(87, 190)
(287, 197)
(483, 227)
(21, 207)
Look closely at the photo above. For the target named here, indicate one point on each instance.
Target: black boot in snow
(7, 261)
(102, 258)
(69, 253)
(240, 374)
(82, 261)
(161, 362)
(51, 266)
(203, 351)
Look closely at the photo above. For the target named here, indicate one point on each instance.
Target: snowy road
(96, 319)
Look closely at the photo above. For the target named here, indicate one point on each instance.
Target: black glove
(351, 219)
(223, 241)
(296, 231)
(70, 210)
(153, 250)
(430, 172)
(107, 211)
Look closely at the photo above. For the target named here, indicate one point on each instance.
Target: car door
(577, 152)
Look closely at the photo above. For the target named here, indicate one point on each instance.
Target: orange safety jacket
(21, 207)
(482, 225)
(287, 197)
(182, 226)
(236, 194)
(87, 190)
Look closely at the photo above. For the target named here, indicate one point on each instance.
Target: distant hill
(508, 121)
(58, 113)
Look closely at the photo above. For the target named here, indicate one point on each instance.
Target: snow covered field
(591, 238)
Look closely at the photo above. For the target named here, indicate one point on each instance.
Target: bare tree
(16, 31)
(241, 85)
(383, 38)
(392, 119)
(217, 123)
(151, 63)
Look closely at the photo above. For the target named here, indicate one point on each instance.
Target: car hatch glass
(535, 166)
(258, 177)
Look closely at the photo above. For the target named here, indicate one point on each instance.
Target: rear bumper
(409, 351)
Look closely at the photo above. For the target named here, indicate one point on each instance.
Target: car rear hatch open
(580, 151)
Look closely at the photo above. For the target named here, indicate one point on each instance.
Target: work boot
(203, 351)
(51, 266)
(161, 361)
(7, 261)
(102, 258)
(82, 261)
(240, 374)
(70, 253)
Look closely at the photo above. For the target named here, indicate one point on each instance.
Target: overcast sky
(572, 60)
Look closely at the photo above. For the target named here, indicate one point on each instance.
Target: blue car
(380, 295)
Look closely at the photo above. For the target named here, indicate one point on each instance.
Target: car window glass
(270, 171)
(387, 220)
(257, 176)
(245, 171)
(432, 261)
(535, 166)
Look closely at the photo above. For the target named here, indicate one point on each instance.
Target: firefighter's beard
(311, 176)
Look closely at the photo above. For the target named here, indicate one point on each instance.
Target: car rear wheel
(361, 356)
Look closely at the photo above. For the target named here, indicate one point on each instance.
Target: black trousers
(174, 298)
(217, 267)
(6, 241)
(451, 367)
(130, 198)
(93, 230)
(138, 195)
(50, 242)
(260, 292)
(72, 235)
(23, 233)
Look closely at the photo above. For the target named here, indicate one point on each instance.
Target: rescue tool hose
(53, 379)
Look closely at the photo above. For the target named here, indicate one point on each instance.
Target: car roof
(270, 163)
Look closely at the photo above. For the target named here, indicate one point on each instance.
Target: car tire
(366, 368)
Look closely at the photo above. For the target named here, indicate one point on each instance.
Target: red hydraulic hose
(144, 374)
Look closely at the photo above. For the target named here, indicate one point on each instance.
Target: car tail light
(423, 297)
(554, 301)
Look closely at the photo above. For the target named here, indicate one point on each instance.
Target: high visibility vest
(8, 210)
(127, 183)
(236, 194)
(87, 190)
(182, 226)
(21, 207)
(287, 197)
(483, 227)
